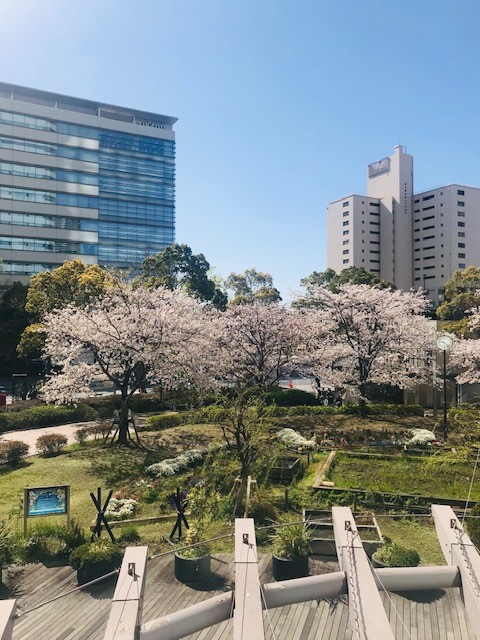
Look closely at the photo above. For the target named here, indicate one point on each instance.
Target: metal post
(445, 427)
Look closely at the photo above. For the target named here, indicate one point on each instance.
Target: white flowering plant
(121, 509)
(421, 437)
(172, 466)
(290, 438)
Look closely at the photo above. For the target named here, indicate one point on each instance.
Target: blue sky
(281, 103)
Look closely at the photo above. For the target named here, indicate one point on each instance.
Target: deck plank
(83, 614)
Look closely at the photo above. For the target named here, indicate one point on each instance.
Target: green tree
(251, 286)
(461, 296)
(73, 282)
(177, 267)
(13, 320)
(333, 280)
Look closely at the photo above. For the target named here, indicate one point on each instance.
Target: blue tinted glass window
(46, 221)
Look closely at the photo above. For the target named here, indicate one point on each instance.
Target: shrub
(104, 406)
(12, 451)
(290, 540)
(129, 533)
(394, 555)
(51, 444)
(82, 434)
(6, 544)
(98, 430)
(92, 553)
(47, 541)
(45, 416)
(289, 397)
(165, 421)
(262, 511)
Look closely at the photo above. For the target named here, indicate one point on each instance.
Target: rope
(62, 595)
(459, 533)
(262, 594)
(353, 589)
(471, 485)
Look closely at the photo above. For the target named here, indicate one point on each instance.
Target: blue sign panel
(46, 501)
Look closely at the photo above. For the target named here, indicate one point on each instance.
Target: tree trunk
(239, 498)
(362, 405)
(123, 419)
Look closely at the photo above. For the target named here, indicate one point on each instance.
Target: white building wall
(445, 236)
(391, 181)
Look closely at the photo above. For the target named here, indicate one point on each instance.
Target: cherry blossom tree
(254, 345)
(363, 334)
(465, 353)
(130, 338)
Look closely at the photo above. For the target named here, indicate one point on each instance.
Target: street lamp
(444, 343)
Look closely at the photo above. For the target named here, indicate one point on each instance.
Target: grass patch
(403, 474)
(418, 534)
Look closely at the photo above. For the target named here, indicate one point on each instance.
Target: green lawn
(418, 533)
(404, 474)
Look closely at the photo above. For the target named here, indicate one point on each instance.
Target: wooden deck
(428, 615)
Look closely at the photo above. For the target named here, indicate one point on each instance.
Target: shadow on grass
(7, 468)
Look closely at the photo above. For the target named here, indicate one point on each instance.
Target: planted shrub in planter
(95, 559)
(394, 555)
(193, 565)
(291, 547)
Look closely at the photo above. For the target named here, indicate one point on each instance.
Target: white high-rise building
(413, 240)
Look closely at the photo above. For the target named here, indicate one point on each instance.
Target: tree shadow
(7, 468)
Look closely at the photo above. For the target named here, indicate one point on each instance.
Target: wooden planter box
(286, 469)
(192, 569)
(322, 539)
(283, 569)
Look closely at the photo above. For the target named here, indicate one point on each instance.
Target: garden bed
(286, 469)
(322, 537)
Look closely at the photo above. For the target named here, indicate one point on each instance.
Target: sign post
(46, 501)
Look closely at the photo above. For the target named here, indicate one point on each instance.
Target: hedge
(216, 414)
(290, 397)
(45, 416)
(139, 403)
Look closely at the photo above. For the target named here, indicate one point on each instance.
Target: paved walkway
(30, 436)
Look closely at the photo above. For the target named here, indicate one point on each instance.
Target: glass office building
(81, 179)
